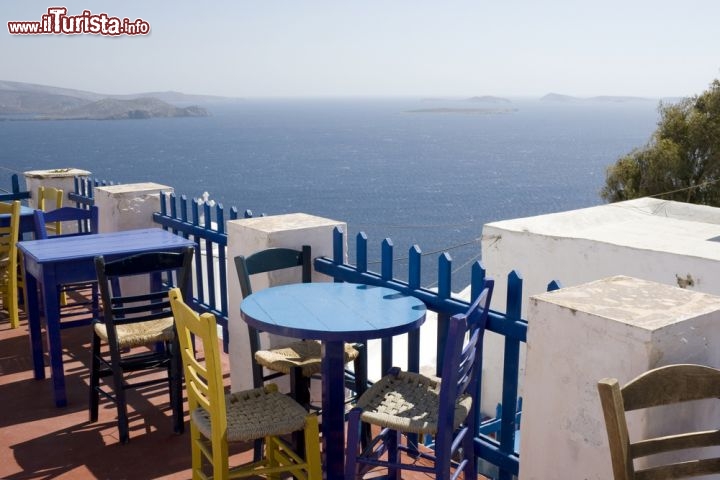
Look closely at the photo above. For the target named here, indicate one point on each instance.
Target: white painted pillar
(249, 235)
(616, 327)
(62, 178)
(128, 206)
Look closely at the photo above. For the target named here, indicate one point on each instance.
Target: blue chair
(86, 221)
(72, 221)
(411, 403)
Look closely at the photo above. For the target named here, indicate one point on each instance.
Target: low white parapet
(62, 178)
(128, 206)
(617, 327)
(249, 235)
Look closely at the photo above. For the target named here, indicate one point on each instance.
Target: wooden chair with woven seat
(138, 329)
(9, 261)
(77, 221)
(301, 359)
(50, 198)
(411, 403)
(663, 386)
(216, 418)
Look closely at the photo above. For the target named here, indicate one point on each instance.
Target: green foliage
(681, 161)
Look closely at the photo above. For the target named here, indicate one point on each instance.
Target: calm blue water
(420, 178)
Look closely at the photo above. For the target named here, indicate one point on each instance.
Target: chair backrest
(85, 221)
(203, 378)
(9, 255)
(50, 198)
(165, 269)
(462, 363)
(269, 260)
(671, 384)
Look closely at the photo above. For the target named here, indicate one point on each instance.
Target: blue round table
(334, 313)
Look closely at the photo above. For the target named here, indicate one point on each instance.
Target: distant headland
(26, 101)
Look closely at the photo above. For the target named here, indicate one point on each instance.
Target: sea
(426, 172)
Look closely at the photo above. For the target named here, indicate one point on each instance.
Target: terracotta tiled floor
(39, 441)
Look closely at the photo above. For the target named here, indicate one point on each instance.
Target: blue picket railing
(84, 196)
(503, 454)
(15, 193)
(205, 225)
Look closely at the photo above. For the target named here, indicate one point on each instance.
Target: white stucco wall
(662, 241)
(128, 206)
(617, 327)
(657, 240)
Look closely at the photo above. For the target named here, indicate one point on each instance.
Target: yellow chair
(9, 261)
(663, 386)
(50, 198)
(216, 418)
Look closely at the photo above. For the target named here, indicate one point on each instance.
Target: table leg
(333, 404)
(52, 320)
(33, 313)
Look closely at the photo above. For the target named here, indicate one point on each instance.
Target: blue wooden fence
(83, 196)
(514, 329)
(204, 224)
(15, 193)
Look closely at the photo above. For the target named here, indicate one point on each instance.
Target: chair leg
(94, 379)
(121, 401)
(312, 447)
(392, 440)
(361, 382)
(176, 400)
(352, 445)
(300, 388)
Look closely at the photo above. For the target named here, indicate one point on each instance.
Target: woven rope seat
(141, 333)
(408, 402)
(256, 413)
(305, 354)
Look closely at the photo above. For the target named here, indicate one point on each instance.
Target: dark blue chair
(411, 403)
(85, 296)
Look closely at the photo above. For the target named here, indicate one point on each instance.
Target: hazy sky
(280, 48)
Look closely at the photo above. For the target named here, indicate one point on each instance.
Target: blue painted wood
(15, 192)
(510, 325)
(49, 264)
(386, 269)
(443, 319)
(84, 196)
(361, 252)
(477, 280)
(414, 275)
(184, 218)
(554, 285)
(333, 313)
(27, 221)
(511, 367)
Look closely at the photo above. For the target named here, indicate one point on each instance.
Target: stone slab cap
(57, 173)
(286, 222)
(133, 188)
(632, 301)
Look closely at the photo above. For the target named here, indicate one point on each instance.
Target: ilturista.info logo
(57, 22)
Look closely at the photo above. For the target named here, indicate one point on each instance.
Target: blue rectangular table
(27, 222)
(56, 261)
(334, 313)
